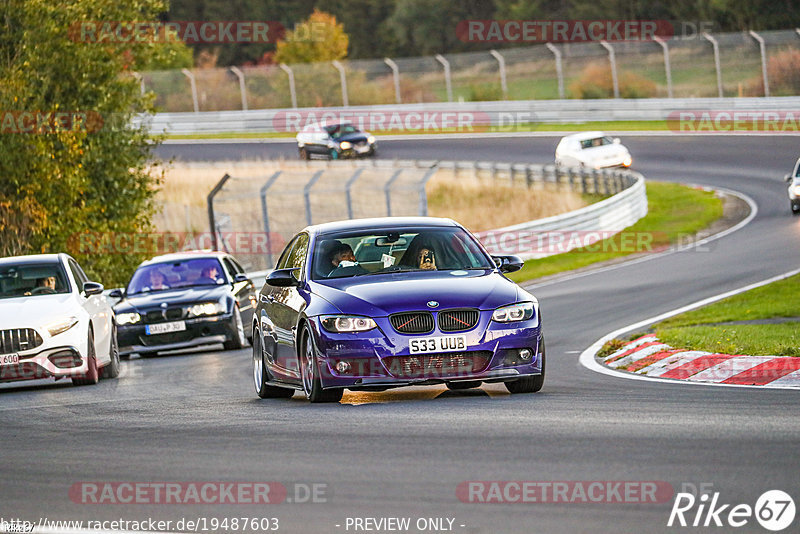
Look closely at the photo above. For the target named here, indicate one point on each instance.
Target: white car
(593, 150)
(54, 322)
(794, 188)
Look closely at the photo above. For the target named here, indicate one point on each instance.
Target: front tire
(237, 331)
(261, 375)
(91, 376)
(112, 369)
(304, 154)
(309, 371)
(528, 384)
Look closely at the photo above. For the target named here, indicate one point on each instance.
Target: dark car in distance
(183, 300)
(335, 140)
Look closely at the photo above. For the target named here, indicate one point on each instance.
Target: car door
(267, 310)
(99, 313)
(243, 292)
(287, 305)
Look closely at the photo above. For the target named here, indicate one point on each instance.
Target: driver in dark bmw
(427, 305)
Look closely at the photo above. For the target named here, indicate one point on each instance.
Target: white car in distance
(54, 322)
(593, 150)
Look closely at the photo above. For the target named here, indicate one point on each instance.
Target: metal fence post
(715, 46)
(288, 70)
(501, 61)
(559, 69)
(667, 68)
(763, 48)
(265, 214)
(348, 186)
(307, 194)
(447, 81)
(387, 190)
(343, 80)
(423, 197)
(396, 75)
(612, 59)
(210, 203)
(189, 74)
(239, 74)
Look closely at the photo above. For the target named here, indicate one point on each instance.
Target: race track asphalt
(402, 453)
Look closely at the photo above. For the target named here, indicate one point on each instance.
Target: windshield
(338, 130)
(176, 274)
(596, 141)
(32, 279)
(398, 250)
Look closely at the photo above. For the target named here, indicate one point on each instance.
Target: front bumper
(51, 362)
(199, 331)
(381, 357)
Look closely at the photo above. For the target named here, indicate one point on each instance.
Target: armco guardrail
(478, 114)
(291, 194)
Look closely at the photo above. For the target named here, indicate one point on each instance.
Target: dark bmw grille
(160, 316)
(412, 323)
(455, 320)
(18, 339)
(438, 365)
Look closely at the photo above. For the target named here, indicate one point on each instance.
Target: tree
(91, 173)
(318, 38)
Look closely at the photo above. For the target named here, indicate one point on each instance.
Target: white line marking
(741, 224)
(587, 357)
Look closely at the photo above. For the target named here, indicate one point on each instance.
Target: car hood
(173, 297)
(380, 295)
(36, 311)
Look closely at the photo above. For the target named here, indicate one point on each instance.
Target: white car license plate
(421, 345)
(165, 328)
(9, 359)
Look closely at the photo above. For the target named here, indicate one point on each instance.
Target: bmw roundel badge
(433, 304)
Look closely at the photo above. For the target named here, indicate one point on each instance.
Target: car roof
(379, 223)
(33, 258)
(580, 136)
(186, 255)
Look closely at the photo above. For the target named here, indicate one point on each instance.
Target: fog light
(525, 354)
(342, 367)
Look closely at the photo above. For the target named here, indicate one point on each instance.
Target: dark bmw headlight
(128, 318)
(371, 139)
(347, 323)
(522, 311)
(206, 308)
(345, 145)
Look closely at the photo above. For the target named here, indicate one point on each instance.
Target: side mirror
(617, 141)
(240, 277)
(508, 264)
(282, 278)
(116, 293)
(92, 288)
(787, 178)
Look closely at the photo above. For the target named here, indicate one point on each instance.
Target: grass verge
(674, 212)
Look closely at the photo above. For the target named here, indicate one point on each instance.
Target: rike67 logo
(774, 510)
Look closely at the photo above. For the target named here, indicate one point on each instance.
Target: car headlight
(347, 323)
(345, 145)
(371, 139)
(627, 161)
(128, 318)
(796, 189)
(206, 308)
(522, 311)
(61, 326)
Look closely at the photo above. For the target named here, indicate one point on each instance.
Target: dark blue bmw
(374, 304)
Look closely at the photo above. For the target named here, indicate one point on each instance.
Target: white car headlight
(796, 189)
(206, 308)
(61, 326)
(345, 145)
(627, 161)
(128, 318)
(522, 311)
(371, 139)
(347, 323)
